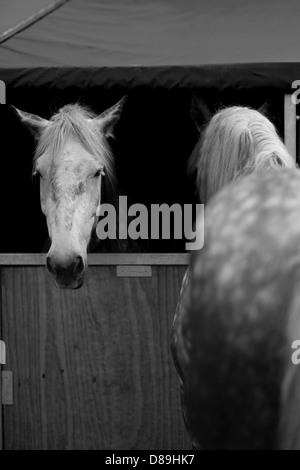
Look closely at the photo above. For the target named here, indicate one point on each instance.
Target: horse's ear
(264, 109)
(34, 123)
(110, 117)
(200, 112)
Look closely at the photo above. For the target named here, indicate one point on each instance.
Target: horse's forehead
(72, 157)
(75, 152)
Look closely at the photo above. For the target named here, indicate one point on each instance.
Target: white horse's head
(237, 140)
(71, 154)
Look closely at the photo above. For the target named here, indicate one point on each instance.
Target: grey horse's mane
(75, 121)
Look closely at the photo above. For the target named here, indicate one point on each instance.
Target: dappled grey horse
(71, 155)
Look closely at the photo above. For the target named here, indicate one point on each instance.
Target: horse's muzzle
(66, 276)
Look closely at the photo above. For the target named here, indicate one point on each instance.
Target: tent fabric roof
(16, 15)
(197, 43)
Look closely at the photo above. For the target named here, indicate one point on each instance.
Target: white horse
(236, 141)
(71, 155)
(240, 332)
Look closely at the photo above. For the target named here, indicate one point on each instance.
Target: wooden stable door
(91, 368)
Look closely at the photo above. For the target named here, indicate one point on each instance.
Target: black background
(153, 141)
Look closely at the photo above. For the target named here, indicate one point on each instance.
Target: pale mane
(237, 140)
(75, 121)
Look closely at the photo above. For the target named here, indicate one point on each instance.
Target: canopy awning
(169, 43)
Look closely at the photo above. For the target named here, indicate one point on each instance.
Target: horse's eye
(37, 174)
(97, 174)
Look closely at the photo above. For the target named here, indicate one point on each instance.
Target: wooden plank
(20, 259)
(290, 125)
(92, 368)
(101, 259)
(2, 92)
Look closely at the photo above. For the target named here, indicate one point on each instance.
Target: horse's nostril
(79, 266)
(50, 266)
(65, 272)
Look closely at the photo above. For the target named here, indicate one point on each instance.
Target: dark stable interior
(153, 141)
